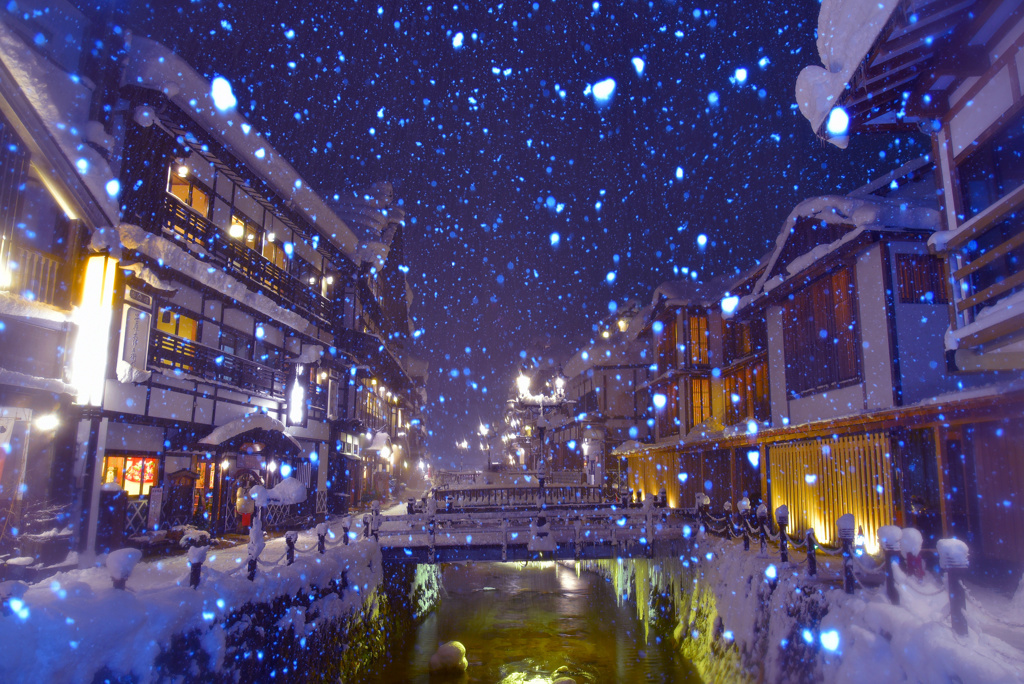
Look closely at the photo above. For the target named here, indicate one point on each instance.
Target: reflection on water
(533, 624)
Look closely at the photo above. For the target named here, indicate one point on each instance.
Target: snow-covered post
(782, 518)
(762, 518)
(256, 544)
(910, 545)
(846, 532)
(290, 537)
(730, 523)
(321, 536)
(953, 558)
(366, 526)
(812, 558)
(120, 564)
(504, 538)
(346, 526)
(889, 536)
(578, 530)
(744, 507)
(196, 558)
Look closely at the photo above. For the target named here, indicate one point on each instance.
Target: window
(136, 475)
(189, 192)
(746, 393)
(266, 353)
(668, 415)
(174, 323)
(821, 335)
(697, 327)
(744, 338)
(993, 169)
(700, 400)
(235, 343)
(246, 231)
(274, 252)
(919, 279)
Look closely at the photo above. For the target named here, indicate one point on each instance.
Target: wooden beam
(1005, 285)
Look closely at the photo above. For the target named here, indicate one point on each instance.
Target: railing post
(504, 538)
(953, 558)
(321, 536)
(782, 518)
(846, 532)
(290, 537)
(578, 546)
(743, 507)
(196, 558)
(889, 536)
(762, 517)
(812, 558)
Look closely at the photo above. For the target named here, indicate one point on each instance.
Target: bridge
(557, 531)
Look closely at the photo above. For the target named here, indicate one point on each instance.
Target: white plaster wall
(122, 398)
(872, 315)
(170, 404)
(831, 404)
(985, 107)
(126, 437)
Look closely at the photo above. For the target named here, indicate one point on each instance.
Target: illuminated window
(666, 341)
(189, 193)
(174, 323)
(700, 400)
(136, 475)
(247, 232)
(697, 327)
(274, 253)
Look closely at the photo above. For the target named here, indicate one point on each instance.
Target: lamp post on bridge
(534, 405)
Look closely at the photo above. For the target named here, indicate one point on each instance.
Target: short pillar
(812, 558)
(889, 537)
(743, 508)
(346, 527)
(953, 558)
(762, 520)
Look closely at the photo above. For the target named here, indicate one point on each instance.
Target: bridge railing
(567, 495)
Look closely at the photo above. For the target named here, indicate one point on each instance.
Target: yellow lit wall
(89, 360)
(820, 480)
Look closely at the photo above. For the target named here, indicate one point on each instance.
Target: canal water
(531, 624)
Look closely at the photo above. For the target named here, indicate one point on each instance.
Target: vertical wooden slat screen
(821, 479)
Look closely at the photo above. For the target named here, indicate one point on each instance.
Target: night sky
(483, 117)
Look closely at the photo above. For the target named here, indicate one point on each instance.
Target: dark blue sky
(495, 145)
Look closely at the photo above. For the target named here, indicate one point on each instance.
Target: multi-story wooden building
(229, 326)
(954, 73)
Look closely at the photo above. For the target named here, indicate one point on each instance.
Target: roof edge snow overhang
(153, 66)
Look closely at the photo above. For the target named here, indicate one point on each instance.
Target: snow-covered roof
(683, 292)
(373, 214)
(61, 101)
(153, 66)
(380, 441)
(251, 421)
(847, 30)
(628, 447)
(860, 213)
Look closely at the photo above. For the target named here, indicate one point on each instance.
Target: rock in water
(450, 657)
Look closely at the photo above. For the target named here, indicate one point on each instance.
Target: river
(532, 624)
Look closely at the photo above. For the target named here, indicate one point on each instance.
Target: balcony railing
(989, 247)
(169, 351)
(33, 275)
(241, 262)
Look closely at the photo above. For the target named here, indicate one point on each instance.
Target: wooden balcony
(985, 263)
(179, 222)
(35, 276)
(200, 361)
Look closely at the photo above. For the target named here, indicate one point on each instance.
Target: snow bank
(14, 305)
(75, 623)
(16, 379)
(288, 491)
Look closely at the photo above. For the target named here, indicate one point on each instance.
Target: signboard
(156, 503)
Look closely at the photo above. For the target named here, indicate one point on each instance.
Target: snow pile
(449, 658)
(120, 563)
(14, 305)
(288, 491)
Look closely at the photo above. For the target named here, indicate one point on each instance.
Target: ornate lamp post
(536, 405)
